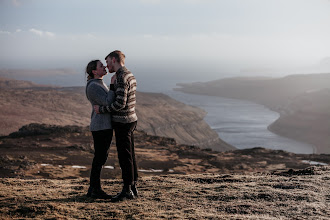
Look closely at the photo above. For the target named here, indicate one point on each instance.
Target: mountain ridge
(301, 100)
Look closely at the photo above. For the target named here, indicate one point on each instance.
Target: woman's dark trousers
(102, 140)
(126, 152)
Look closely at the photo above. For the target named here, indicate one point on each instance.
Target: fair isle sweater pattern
(123, 108)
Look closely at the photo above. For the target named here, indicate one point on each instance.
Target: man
(124, 121)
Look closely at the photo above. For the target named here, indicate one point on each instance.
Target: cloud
(49, 34)
(150, 1)
(185, 1)
(91, 36)
(16, 3)
(5, 32)
(147, 36)
(37, 32)
(197, 1)
(18, 30)
(42, 33)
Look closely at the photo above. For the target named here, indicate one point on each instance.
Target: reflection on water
(314, 162)
(242, 124)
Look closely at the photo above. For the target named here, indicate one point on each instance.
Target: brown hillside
(307, 118)
(158, 114)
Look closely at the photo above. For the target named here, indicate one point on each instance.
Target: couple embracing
(113, 109)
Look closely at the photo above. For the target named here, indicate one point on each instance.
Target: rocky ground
(304, 194)
(56, 152)
(44, 175)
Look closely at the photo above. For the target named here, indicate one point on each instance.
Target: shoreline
(302, 100)
(270, 108)
(275, 131)
(269, 127)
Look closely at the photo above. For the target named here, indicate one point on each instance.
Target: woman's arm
(97, 95)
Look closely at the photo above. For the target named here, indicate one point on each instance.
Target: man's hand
(113, 79)
(97, 109)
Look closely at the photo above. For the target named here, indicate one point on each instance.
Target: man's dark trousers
(126, 152)
(102, 140)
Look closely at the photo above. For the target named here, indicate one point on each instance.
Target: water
(240, 123)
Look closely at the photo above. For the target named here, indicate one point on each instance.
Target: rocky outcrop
(35, 129)
(61, 152)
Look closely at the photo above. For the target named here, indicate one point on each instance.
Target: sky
(180, 36)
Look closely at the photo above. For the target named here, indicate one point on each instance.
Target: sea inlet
(240, 123)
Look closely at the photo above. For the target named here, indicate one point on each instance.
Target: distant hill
(301, 100)
(307, 118)
(7, 83)
(26, 73)
(272, 92)
(23, 102)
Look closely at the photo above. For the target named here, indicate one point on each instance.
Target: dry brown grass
(198, 196)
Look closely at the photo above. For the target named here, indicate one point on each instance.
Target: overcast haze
(238, 36)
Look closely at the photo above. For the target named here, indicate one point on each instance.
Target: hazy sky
(251, 33)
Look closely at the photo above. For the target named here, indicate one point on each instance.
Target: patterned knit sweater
(123, 108)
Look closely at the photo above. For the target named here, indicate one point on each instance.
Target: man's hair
(118, 55)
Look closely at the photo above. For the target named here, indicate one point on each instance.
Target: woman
(98, 94)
